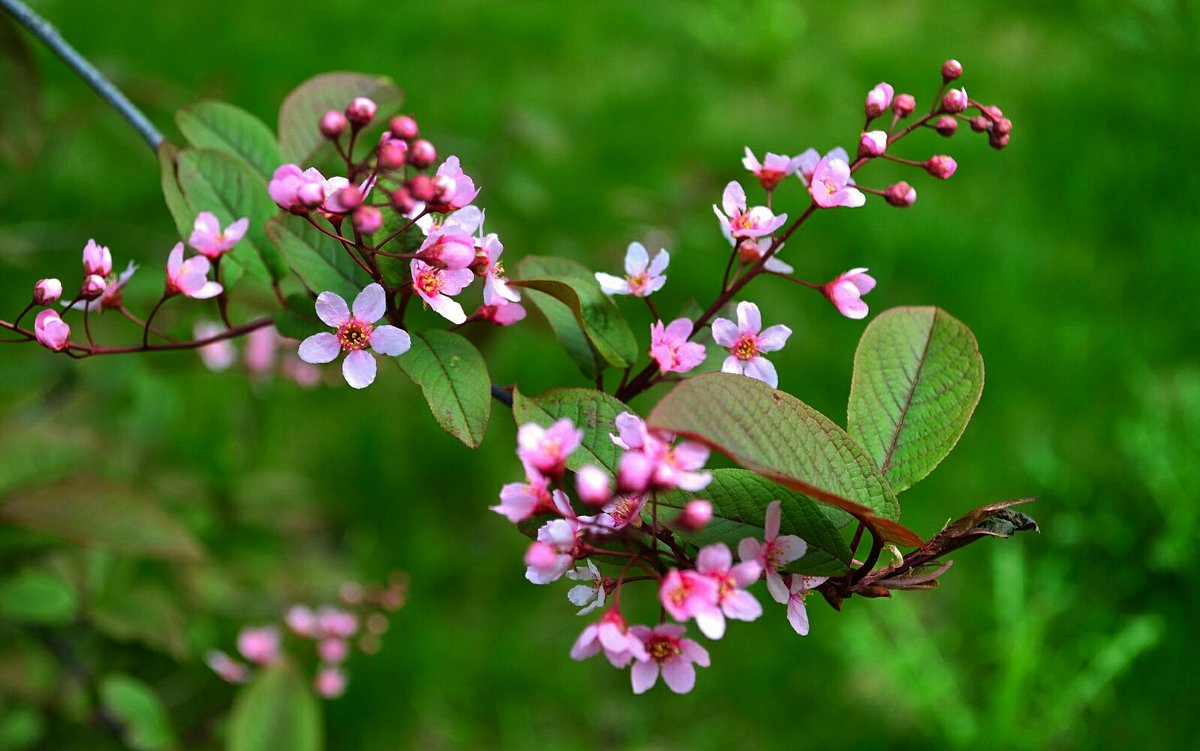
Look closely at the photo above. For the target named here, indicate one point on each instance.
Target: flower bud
(422, 154)
(443, 188)
(997, 141)
(946, 126)
(51, 331)
(591, 482)
(367, 219)
(903, 105)
(330, 682)
(980, 124)
(879, 99)
(403, 127)
(951, 69)
(872, 143)
(392, 153)
(333, 124)
(332, 651)
(1002, 126)
(47, 291)
(360, 111)
(93, 286)
(311, 194)
(259, 645)
(96, 259)
(696, 513)
(748, 250)
(402, 200)
(941, 166)
(992, 111)
(955, 100)
(421, 187)
(900, 194)
(345, 200)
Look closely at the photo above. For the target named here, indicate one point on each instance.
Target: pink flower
(503, 313)
(831, 185)
(51, 330)
(771, 171)
(361, 110)
(330, 682)
(435, 286)
(448, 250)
(716, 562)
(745, 344)
(465, 221)
(487, 264)
(218, 355)
(93, 287)
(47, 291)
(941, 166)
(773, 553)
(591, 483)
(354, 333)
(900, 194)
(110, 297)
(544, 451)
(260, 349)
(333, 650)
(208, 238)
(669, 653)
(552, 554)
(259, 645)
(190, 277)
(521, 500)
(846, 291)
(739, 222)
(97, 259)
(226, 667)
(611, 635)
(454, 189)
(621, 511)
(955, 100)
(295, 190)
(670, 348)
(751, 250)
(301, 620)
(587, 596)
(872, 143)
(689, 594)
(695, 515)
(811, 158)
(642, 276)
(798, 590)
(652, 463)
(331, 622)
(879, 99)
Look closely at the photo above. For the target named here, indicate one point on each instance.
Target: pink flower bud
(403, 201)
(367, 219)
(903, 105)
(421, 187)
(332, 651)
(422, 154)
(634, 472)
(1002, 126)
(403, 127)
(998, 141)
(47, 291)
(540, 555)
(345, 200)
(980, 124)
(259, 645)
(900, 194)
(951, 69)
(393, 153)
(93, 286)
(955, 100)
(879, 99)
(332, 621)
(872, 143)
(946, 125)
(51, 331)
(696, 513)
(360, 111)
(311, 194)
(333, 124)
(301, 620)
(941, 166)
(592, 484)
(96, 259)
(330, 682)
(992, 111)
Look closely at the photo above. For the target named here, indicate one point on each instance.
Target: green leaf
(593, 310)
(36, 596)
(299, 320)
(115, 517)
(740, 499)
(319, 261)
(142, 613)
(225, 185)
(21, 727)
(177, 203)
(224, 127)
(454, 379)
(917, 378)
(300, 114)
(21, 128)
(782, 438)
(147, 725)
(559, 315)
(276, 711)
(593, 411)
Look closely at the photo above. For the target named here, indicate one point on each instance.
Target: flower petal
(725, 332)
(359, 368)
(644, 675)
(636, 259)
(448, 309)
(320, 348)
(773, 338)
(331, 309)
(762, 369)
(370, 304)
(659, 264)
(389, 340)
(749, 319)
(612, 285)
(679, 674)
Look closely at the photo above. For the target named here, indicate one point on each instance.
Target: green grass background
(1072, 255)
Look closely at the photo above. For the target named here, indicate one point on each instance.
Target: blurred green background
(1072, 255)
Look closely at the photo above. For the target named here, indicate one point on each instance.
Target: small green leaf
(142, 613)
(300, 114)
(21, 128)
(740, 499)
(319, 261)
(277, 711)
(224, 127)
(593, 411)
(226, 186)
(917, 378)
(782, 438)
(147, 725)
(299, 319)
(36, 596)
(119, 518)
(177, 204)
(454, 379)
(559, 315)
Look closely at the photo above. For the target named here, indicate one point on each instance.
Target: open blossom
(330, 682)
(689, 594)
(190, 277)
(591, 483)
(773, 553)
(544, 451)
(670, 653)
(51, 330)
(746, 341)
(110, 298)
(552, 554)
(846, 291)
(738, 221)
(621, 510)
(435, 286)
(811, 158)
(831, 185)
(488, 264)
(611, 635)
(259, 645)
(465, 221)
(798, 590)
(219, 355)
(642, 276)
(651, 462)
(97, 259)
(521, 500)
(295, 190)
(587, 596)
(208, 238)
(503, 313)
(670, 348)
(454, 189)
(716, 562)
(353, 333)
(772, 169)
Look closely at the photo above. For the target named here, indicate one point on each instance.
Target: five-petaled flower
(190, 278)
(746, 341)
(611, 635)
(716, 562)
(772, 169)
(739, 222)
(544, 451)
(642, 276)
(670, 348)
(831, 185)
(208, 238)
(670, 653)
(353, 333)
(773, 553)
(798, 590)
(846, 291)
(435, 286)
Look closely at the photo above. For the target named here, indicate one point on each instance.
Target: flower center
(743, 221)
(746, 347)
(831, 186)
(663, 648)
(354, 334)
(638, 282)
(430, 282)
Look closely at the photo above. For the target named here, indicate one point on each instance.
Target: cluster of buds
(329, 633)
